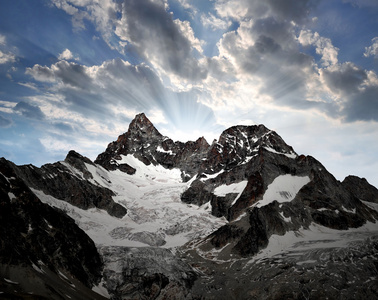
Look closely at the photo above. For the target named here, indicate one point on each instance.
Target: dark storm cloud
(29, 110)
(4, 122)
(358, 95)
(362, 106)
(346, 78)
(156, 37)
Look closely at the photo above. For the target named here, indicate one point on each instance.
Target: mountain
(145, 142)
(243, 218)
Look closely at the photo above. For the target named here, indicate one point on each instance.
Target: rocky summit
(244, 217)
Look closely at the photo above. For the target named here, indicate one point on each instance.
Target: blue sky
(73, 74)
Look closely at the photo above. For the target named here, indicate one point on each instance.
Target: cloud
(29, 110)
(69, 73)
(4, 122)
(115, 89)
(323, 46)
(363, 3)
(7, 57)
(373, 49)
(164, 42)
(41, 73)
(211, 21)
(290, 10)
(362, 106)
(67, 55)
(266, 58)
(101, 13)
(355, 91)
(7, 106)
(144, 26)
(344, 78)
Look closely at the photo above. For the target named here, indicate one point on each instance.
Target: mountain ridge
(228, 202)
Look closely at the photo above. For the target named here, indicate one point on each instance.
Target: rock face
(41, 239)
(361, 189)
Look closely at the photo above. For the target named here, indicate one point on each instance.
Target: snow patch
(160, 149)
(12, 196)
(210, 176)
(284, 188)
(370, 205)
(287, 220)
(101, 289)
(152, 173)
(236, 188)
(353, 211)
(10, 281)
(289, 155)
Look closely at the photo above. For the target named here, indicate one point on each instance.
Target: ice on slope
(156, 216)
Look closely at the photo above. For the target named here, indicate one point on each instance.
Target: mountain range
(244, 217)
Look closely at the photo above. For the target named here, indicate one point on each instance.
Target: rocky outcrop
(37, 236)
(72, 182)
(361, 188)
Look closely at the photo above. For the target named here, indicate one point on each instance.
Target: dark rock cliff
(36, 235)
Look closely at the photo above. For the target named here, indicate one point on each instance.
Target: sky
(73, 74)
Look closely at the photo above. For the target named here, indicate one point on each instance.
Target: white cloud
(290, 10)
(373, 49)
(7, 57)
(209, 20)
(157, 116)
(101, 13)
(67, 55)
(2, 39)
(7, 106)
(186, 4)
(323, 46)
(187, 31)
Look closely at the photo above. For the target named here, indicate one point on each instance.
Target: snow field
(155, 214)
